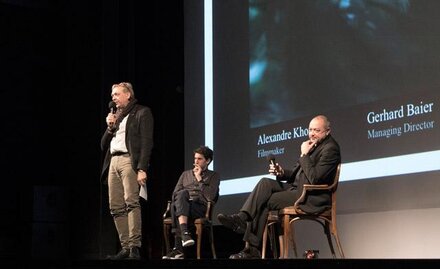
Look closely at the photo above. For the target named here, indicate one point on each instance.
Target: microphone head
(112, 106)
(271, 158)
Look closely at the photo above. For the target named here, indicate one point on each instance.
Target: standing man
(194, 189)
(127, 141)
(317, 164)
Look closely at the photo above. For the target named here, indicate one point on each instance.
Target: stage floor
(232, 264)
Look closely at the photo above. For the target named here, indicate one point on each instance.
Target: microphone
(112, 107)
(276, 169)
(271, 159)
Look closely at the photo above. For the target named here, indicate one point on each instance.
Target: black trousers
(182, 205)
(267, 195)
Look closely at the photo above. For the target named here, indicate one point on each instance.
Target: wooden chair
(289, 215)
(200, 224)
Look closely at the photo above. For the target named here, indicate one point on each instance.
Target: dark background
(58, 62)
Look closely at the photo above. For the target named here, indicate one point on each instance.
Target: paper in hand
(143, 192)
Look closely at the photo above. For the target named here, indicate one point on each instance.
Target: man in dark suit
(128, 142)
(317, 164)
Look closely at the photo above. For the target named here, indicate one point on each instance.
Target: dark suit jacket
(138, 138)
(317, 167)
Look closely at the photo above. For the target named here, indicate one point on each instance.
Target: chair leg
(264, 243)
(269, 231)
(281, 243)
(292, 238)
(166, 235)
(211, 240)
(272, 238)
(289, 236)
(338, 244)
(286, 233)
(199, 239)
(329, 238)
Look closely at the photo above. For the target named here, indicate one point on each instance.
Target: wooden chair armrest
(167, 211)
(309, 187)
(316, 187)
(209, 206)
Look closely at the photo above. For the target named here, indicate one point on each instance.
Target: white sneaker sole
(177, 257)
(188, 243)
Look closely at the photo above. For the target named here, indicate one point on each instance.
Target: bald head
(319, 128)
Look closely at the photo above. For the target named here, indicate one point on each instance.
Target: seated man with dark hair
(194, 189)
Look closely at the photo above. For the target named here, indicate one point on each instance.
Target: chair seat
(292, 210)
(202, 221)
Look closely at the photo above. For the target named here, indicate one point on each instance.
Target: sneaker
(187, 240)
(174, 254)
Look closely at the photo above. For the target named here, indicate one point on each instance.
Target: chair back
(334, 187)
(308, 188)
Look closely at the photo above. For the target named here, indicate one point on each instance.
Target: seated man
(194, 189)
(317, 164)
